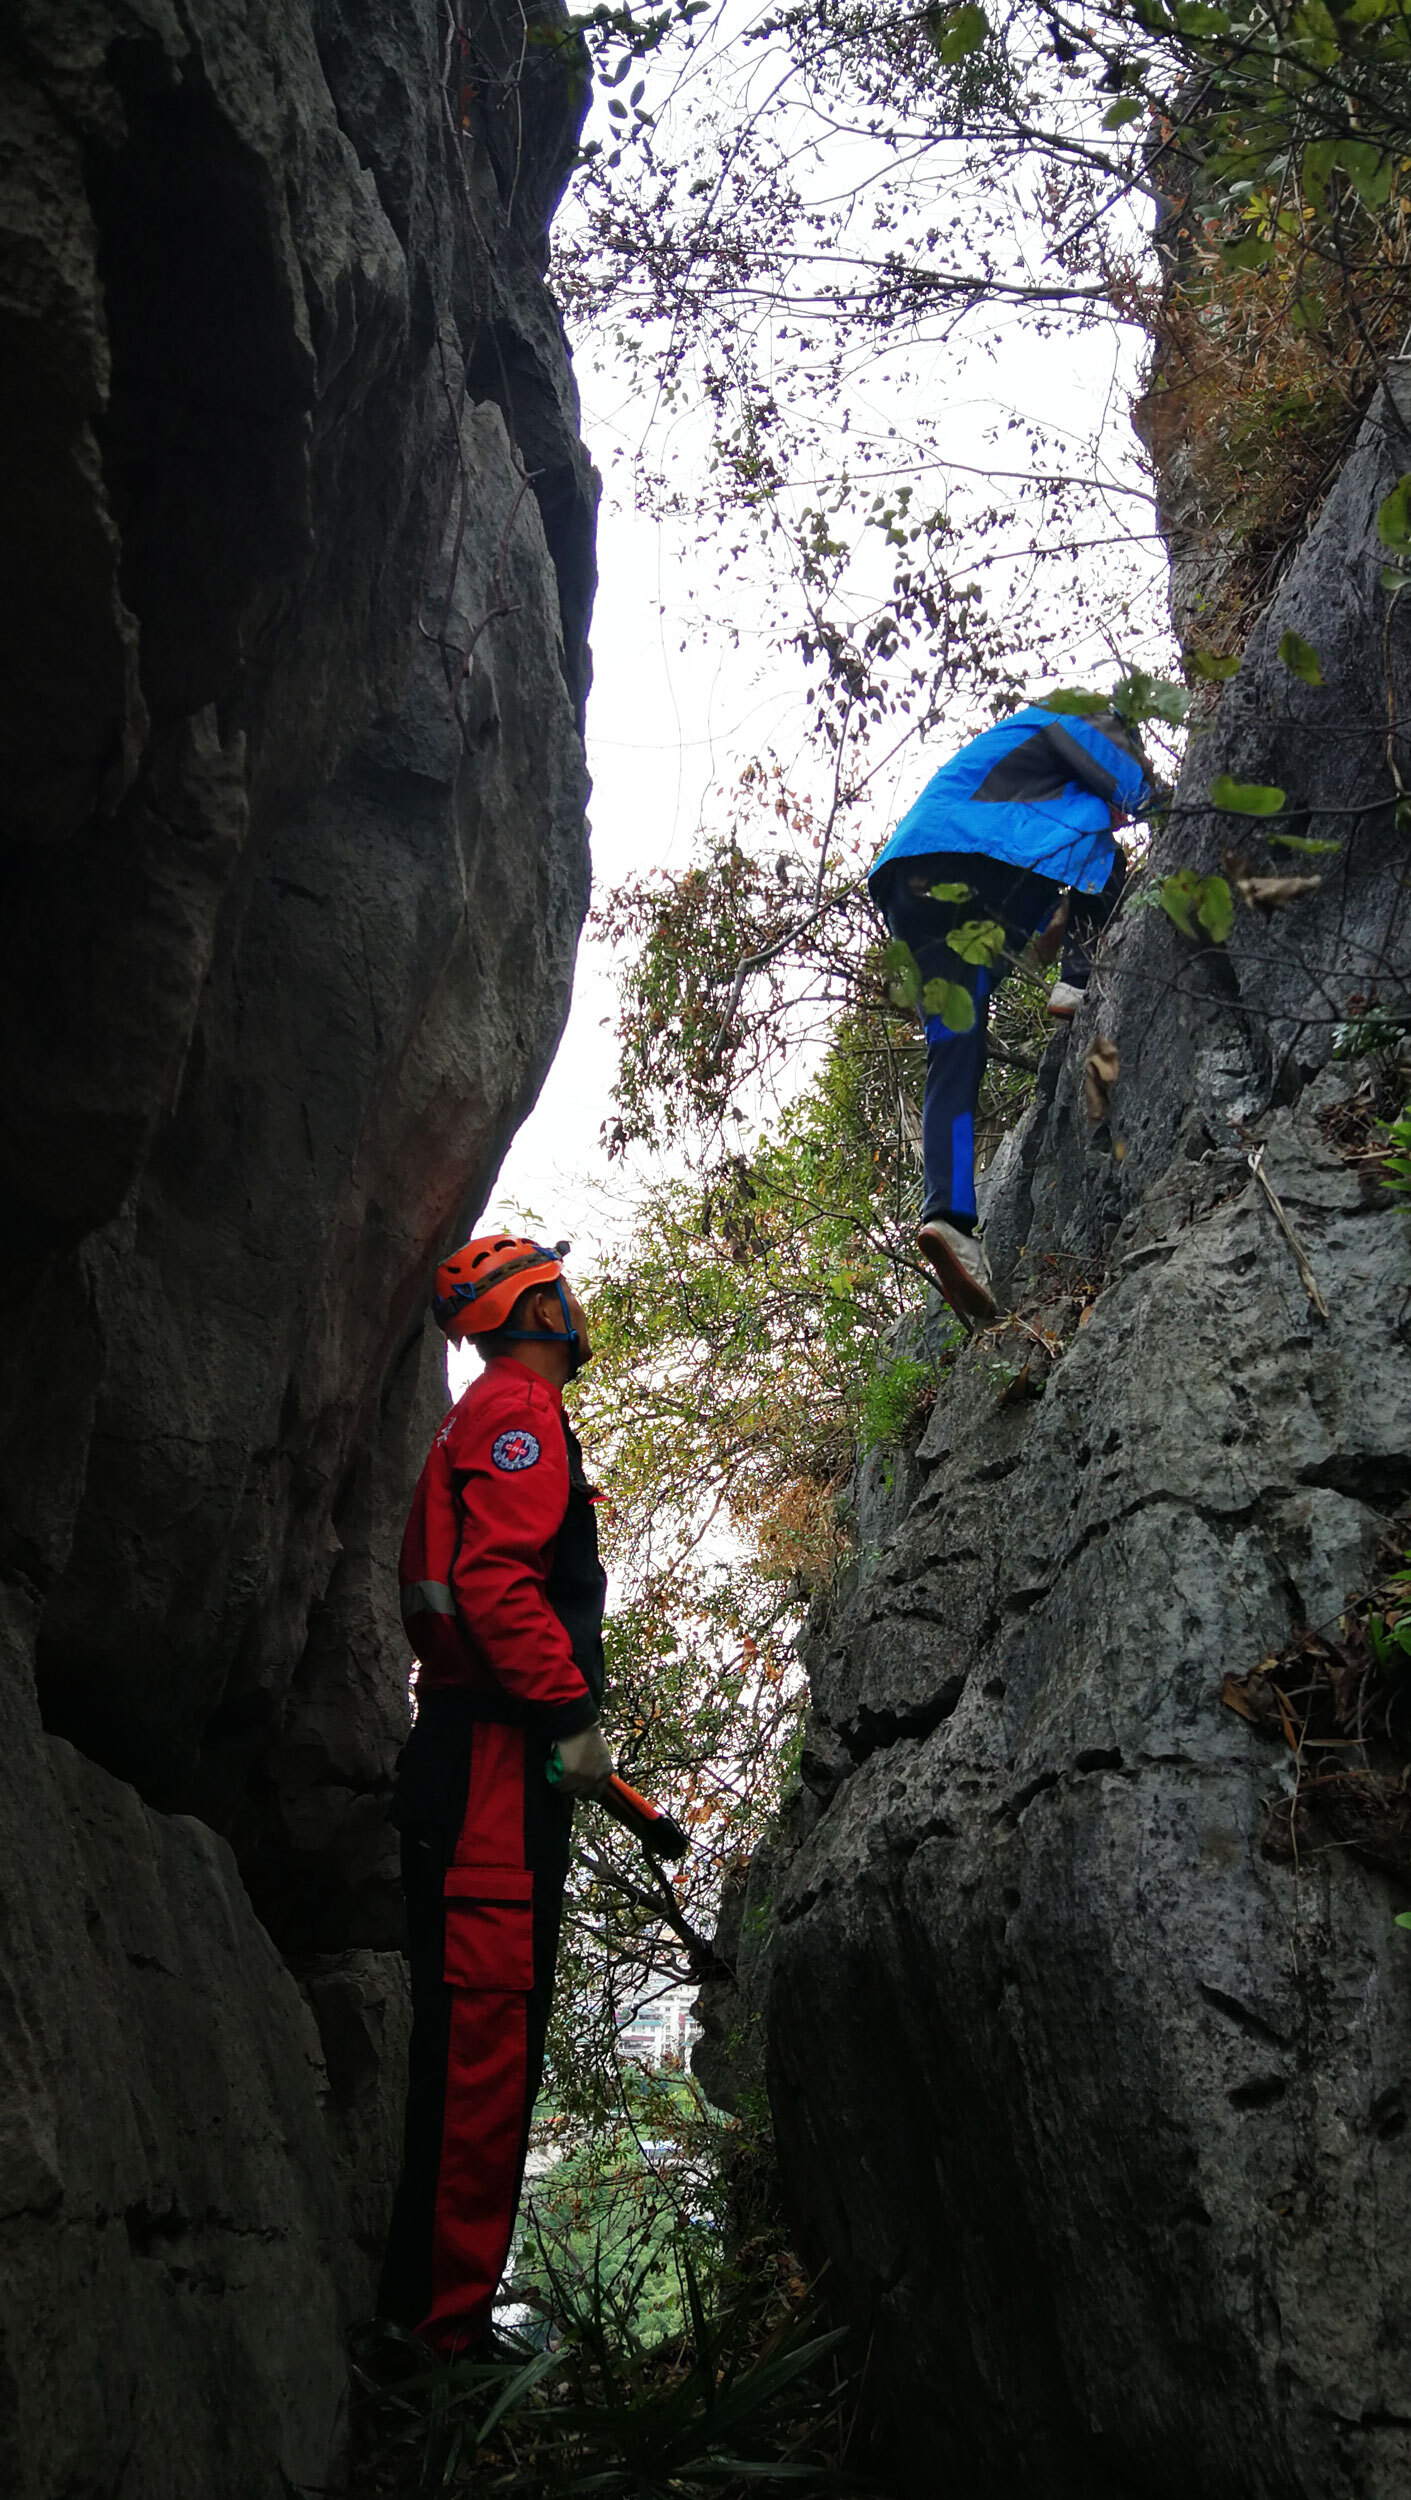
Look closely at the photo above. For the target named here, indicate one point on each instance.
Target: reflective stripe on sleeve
(426, 1597)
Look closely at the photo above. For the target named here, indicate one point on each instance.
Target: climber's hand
(587, 1763)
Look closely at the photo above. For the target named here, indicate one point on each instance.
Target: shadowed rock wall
(299, 539)
(1098, 2108)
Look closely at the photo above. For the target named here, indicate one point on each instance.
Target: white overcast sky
(669, 727)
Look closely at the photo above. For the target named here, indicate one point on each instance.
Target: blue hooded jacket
(1038, 790)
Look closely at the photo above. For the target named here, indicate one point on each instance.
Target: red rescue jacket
(502, 1589)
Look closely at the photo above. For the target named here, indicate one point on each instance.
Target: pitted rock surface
(293, 860)
(1098, 2111)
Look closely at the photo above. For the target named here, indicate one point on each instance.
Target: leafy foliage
(951, 1003)
(750, 2396)
(1246, 798)
(1307, 845)
(769, 1087)
(741, 1326)
(977, 942)
(895, 1394)
(1189, 899)
(749, 1323)
(993, 158)
(629, 2208)
(1337, 1701)
(1136, 698)
(1394, 531)
(1301, 658)
(1397, 1165)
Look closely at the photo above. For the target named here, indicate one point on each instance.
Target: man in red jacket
(502, 1595)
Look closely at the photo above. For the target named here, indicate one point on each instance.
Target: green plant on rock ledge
(892, 1402)
(1396, 1175)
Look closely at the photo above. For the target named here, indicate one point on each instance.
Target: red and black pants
(485, 1842)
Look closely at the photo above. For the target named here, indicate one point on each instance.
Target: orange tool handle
(660, 1834)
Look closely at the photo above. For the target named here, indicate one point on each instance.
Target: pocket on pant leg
(490, 1927)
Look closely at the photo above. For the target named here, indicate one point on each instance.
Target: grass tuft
(740, 2403)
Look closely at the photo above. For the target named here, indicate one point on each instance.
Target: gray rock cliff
(1095, 2098)
(293, 858)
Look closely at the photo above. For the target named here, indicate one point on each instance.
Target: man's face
(578, 1317)
(548, 1316)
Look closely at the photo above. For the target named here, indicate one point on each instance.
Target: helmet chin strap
(553, 1336)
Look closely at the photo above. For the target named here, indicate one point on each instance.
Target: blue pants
(955, 1065)
(955, 1062)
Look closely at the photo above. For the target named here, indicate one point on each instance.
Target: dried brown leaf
(1266, 893)
(1100, 1071)
(1293, 1727)
(1235, 1696)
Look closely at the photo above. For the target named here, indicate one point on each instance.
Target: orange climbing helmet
(478, 1286)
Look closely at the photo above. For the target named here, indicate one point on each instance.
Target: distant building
(660, 2030)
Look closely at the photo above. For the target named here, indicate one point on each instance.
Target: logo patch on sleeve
(514, 1450)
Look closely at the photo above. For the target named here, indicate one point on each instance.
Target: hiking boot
(1064, 1000)
(962, 1271)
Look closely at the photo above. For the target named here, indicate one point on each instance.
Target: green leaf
(1368, 170)
(1245, 798)
(1304, 842)
(1394, 581)
(1214, 664)
(1128, 108)
(951, 1002)
(902, 974)
(955, 33)
(1394, 518)
(1402, 1919)
(977, 941)
(1164, 700)
(1301, 657)
(1075, 699)
(1251, 254)
(1187, 898)
(950, 893)
(1177, 895)
(1138, 697)
(516, 2386)
(1215, 910)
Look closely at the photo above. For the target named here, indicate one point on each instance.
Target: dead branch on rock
(1338, 1699)
(1310, 1282)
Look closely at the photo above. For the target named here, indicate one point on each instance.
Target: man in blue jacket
(1021, 813)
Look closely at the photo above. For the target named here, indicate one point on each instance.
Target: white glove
(587, 1763)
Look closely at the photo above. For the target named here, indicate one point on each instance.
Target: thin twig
(1310, 1282)
(766, 955)
(663, 1905)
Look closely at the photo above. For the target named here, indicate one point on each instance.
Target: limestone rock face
(177, 2237)
(293, 858)
(1098, 2108)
